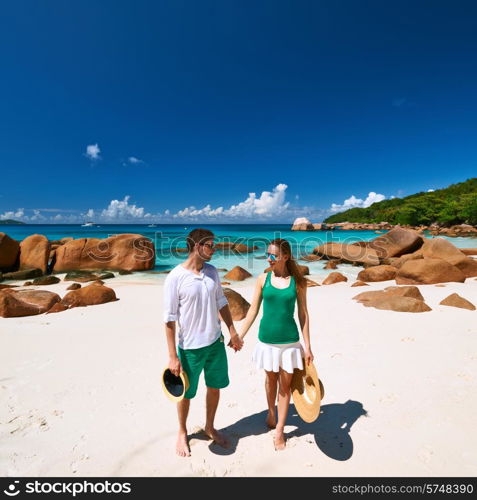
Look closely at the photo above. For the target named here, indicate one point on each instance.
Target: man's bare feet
(279, 441)
(217, 437)
(271, 420)
(182, 446)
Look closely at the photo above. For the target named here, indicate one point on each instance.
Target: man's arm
(174, 363)
(171, 304)
(224, 314)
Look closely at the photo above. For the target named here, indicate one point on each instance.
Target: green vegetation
(456, 204)
(10, 221)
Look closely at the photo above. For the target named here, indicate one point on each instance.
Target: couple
(193, 297)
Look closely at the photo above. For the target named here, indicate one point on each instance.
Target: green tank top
(278, 324)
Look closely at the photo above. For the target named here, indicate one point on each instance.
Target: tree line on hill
(456, 204)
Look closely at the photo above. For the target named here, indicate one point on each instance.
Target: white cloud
(373, 198)
(353, 202)
(121, 210)
(92, 152)
(133, 160)
(37, 216)
(268, 204)
(19, 214)
(117, 211)
(430, 190)
(69, 219)
(207, 211)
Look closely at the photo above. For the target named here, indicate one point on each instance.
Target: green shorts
(212, 359)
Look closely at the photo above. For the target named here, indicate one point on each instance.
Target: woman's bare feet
(182, 446)
(279, 441)
(271, 419)
(217, 437)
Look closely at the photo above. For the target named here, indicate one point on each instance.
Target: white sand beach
(81, 395)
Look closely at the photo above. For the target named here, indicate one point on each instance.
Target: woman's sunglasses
(272, 257)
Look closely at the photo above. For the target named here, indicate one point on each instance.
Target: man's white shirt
(194, 301)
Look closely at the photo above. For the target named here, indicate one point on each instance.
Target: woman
(278, 350)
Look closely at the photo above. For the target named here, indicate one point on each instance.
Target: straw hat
(307, 391)
(174, 387)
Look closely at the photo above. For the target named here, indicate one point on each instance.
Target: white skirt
(272, 357)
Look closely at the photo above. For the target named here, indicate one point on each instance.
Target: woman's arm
(254, 307)
(304, 322)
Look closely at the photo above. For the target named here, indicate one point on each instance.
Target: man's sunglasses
(211, 246)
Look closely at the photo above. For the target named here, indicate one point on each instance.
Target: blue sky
(177, 110)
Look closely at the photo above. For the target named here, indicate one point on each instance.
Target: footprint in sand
(292, 442)
(408, 339)
(202, 470)
(27, 423)
(75, 465)
(79, 455)
(236, 465)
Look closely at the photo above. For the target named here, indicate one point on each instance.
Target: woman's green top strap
(278, 325)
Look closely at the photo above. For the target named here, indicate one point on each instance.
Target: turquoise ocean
(168, 237)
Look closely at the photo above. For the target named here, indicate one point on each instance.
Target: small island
(10, 222)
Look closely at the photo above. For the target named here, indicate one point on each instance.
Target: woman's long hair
(292, 266)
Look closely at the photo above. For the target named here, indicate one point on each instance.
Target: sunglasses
(272, 257)
(211, 246)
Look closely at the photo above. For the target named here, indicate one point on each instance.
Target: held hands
(236, 342)
(175, 366)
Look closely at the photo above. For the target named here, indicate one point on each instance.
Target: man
(193, 297)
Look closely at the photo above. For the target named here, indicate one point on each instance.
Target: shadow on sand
(331, 430)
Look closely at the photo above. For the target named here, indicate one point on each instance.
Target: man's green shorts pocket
(212, 359)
